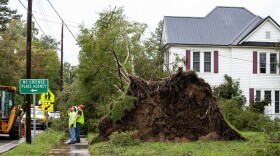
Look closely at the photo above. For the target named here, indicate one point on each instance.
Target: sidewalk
(77, 149)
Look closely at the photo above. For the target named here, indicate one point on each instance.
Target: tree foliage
(45, 61)
(6, 14)
(110, 52)
(12, 54)
(69, 73)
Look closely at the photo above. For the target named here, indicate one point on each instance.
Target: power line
(55, 22)
(56, 17)
(65, 24)
(33, 18)
(41, 8)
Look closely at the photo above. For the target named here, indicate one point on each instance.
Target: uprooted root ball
(180, 108)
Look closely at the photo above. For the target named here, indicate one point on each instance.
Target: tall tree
(6, 14)
(154, 56)
(69, 73)
(109, 52)
(12, 54)
(45, 61)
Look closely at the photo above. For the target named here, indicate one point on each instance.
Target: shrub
(230, 90)
(272, 131)
(258, 106)
(124, 138)
(59, 124)
(242, 119)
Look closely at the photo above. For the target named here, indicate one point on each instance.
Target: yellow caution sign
(47, 97)
(47, 107)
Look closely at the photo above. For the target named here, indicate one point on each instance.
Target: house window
(196, 61)
(262, 62)
(258, 95)
(267, 96)
(276, 101)
(273, 63)
(267, 35)
(207, 61)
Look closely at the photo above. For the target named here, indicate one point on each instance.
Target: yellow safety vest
(81, 118)
(72, 119)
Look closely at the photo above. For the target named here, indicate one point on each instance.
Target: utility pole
(61, 64)
(28, 70)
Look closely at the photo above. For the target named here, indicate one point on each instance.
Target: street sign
(33, 86)
(47, 107)
(47, 97)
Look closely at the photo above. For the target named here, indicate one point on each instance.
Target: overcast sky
(150, 12)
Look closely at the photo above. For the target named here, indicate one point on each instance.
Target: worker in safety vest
(72, 124)
(80, 121)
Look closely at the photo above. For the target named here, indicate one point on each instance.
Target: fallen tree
(179, 108)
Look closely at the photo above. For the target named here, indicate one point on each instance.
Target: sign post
(33, 86)
(34, 119)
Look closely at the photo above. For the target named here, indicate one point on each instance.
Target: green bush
(230, 89)
(272, 131)
(124, 138)
(242, 119)
(59, 124)
(258, 106)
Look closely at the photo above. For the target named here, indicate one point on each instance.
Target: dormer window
(267, 35)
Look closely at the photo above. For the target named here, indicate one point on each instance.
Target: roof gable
(267, 31)
(222, 26)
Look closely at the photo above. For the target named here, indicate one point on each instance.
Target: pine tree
(6, 14)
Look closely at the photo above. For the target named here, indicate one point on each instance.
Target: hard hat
(82, 107)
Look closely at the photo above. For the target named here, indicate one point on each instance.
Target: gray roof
(222, 26)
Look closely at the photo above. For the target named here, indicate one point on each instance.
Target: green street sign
(33, 86)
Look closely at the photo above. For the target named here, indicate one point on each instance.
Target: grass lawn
(256, 145)
(44, 143)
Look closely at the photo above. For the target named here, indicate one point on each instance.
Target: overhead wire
(33, 18)
(55, 22)
(65, 25)
(57, 18)
(41, 9)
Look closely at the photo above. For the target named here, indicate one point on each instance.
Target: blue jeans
(78, 131)
(72, 132)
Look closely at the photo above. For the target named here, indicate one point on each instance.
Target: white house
(229, 40)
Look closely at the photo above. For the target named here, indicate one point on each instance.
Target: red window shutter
(188, 59)
(255, 62)
(216, 62)
(251, 95)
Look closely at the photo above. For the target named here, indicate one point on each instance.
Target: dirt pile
(180, 108)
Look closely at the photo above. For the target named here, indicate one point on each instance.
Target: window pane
(263, 63)
(267, 96)
(258, 95)
(196, 61)
(207, 61)
(276, 101)
(273, 63)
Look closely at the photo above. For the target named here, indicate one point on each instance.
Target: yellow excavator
(10, 113)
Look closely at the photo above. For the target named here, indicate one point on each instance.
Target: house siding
(236, 62)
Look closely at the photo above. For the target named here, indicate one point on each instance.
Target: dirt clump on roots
(177, 109)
